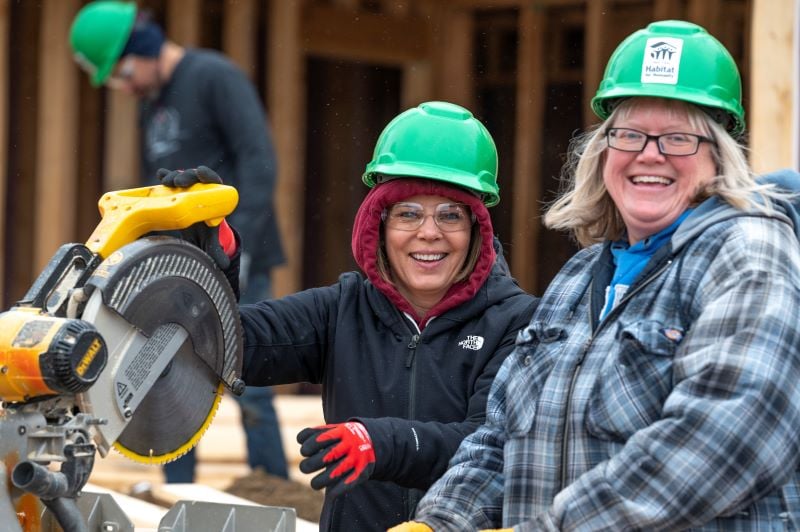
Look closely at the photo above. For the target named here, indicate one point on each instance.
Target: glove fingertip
(207, 175)
(307, 466)
(304, 434)
(321, 481)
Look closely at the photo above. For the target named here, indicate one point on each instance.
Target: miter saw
(126, 341)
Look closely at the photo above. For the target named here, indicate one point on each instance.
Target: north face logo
(472, 342)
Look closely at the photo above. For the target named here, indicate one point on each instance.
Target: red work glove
(226, 239)
(343, 449)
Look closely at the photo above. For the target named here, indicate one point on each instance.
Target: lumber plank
(4, 119)
(526, 225)
(773, 86)
(286, 104)
(332, 31)
(56, 143)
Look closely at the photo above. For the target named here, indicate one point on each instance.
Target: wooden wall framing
(774, 114)
(4, 120)
(430, 41)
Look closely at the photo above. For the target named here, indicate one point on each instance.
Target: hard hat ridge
(439, 141)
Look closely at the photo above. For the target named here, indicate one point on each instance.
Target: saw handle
(129, 214)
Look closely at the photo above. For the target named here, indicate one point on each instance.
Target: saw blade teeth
(153, 459)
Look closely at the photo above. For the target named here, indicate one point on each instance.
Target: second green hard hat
(679, 60)
(98, 36)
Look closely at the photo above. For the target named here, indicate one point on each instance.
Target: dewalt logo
(88, 357)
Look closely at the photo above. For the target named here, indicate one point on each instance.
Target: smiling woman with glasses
(655, 387)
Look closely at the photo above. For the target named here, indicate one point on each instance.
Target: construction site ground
(222, 474)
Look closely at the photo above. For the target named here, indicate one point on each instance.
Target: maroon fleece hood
(367, 237)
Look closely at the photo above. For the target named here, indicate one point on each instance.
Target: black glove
(187, 178)
(344, 450)
(199, 234)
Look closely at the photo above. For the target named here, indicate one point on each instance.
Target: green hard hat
(440, 141)
(98, 36)
(678, 60)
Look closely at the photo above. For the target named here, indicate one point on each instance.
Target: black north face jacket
(418, 394)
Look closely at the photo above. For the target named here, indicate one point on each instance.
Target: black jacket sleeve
(285, 340)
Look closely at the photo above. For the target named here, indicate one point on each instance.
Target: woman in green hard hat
(656, 387)
(407, 348)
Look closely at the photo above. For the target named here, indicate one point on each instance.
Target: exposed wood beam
(706, 13)
(287, 112)
(399, 8)
(594, 53)
(183, 21)
(347, 4)
(454, 57)
(773, 85)
(526, 217)
(372, 37)
(121, 165)
(239, 33)
(4, 121)
(667, 9)
(417, 84)
(491, 4)
(56, 145)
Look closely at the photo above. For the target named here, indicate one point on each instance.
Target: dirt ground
(270, 490)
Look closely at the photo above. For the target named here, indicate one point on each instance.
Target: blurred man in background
(197, 108)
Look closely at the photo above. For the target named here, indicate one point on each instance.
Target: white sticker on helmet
(662, 59)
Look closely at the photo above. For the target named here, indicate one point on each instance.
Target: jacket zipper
(586, 346)
(412, 403)
(412, 380)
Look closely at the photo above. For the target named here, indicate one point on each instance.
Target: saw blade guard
(171, 322)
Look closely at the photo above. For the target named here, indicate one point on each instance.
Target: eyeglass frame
(125, 71)
(472, 217)
(647, 138)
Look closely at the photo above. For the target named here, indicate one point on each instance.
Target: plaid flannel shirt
(679, 410)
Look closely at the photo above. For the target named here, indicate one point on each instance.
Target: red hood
(366, 239)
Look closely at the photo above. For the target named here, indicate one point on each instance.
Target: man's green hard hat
(440, 141)
(678, 60)
(98, 36)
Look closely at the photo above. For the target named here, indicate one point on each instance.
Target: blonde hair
(586, 209)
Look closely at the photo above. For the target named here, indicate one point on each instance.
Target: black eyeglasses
(632, 140)
(122, 73)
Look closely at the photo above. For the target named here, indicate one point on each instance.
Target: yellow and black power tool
(126, 341)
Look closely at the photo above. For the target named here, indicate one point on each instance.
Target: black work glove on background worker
(218, 241)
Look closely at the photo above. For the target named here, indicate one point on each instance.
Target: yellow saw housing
(42, 355)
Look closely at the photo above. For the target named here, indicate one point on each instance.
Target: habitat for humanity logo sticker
(662, 57)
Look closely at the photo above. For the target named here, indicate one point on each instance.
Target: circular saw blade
(155, 297)
(176, 412)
